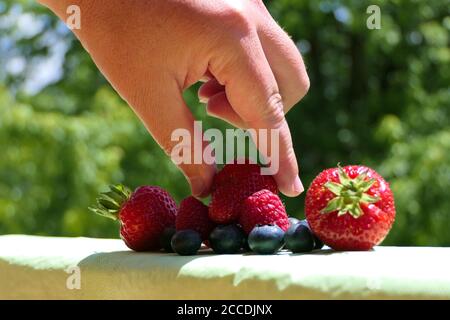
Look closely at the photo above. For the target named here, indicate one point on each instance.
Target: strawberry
(263, 208)
(193, 215)
(232, 185)
(143, 214)
(350, 208)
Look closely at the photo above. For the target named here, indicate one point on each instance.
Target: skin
(150, 51)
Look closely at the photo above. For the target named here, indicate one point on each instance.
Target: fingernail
(298, 186)
(197, 186)
(203, 99)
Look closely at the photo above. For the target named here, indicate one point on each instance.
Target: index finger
(253, 93)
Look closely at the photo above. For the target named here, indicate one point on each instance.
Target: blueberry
(226, 239)
(318, 244)
(245, 245)
(186, 242)
(266, 239)
(293, 221)
(305, 223)
(299, 238)
(166, 237)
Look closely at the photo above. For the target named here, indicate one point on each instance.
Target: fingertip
(201, 183)
(298, 186)
(198, 187)
(290, 187)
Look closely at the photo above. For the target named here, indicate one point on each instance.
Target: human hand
(151, 51)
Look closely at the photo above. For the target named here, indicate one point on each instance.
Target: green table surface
(51, 268)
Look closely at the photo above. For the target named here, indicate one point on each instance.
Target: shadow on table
(125, 259)
(121, 260)
(323, 252)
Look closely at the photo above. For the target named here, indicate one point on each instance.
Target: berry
(226, 239)
(293, 221)
(245, 245)
(266, 239)
(186, 242)
(193, 215)
(232, 185)
(143, 214)
(166, 238)
(299, 238)
(318, 244)
(350, 208)
(263, 208)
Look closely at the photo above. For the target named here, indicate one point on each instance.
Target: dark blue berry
(293, 221)
(245, 245)
(299, 238)
(186, 242)
(318, 244)
(266, 239)
(165, 239)
(226, 239)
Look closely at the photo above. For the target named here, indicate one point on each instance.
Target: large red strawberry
(232, 185)
(193, 215)
(263, 208)
(143, 214)
(350, 208)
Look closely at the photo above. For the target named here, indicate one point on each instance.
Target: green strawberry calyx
(110, 202)
(350, 193)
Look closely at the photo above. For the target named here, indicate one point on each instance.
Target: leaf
(105, 213)
(360, 178)
(369, 199)
(334, 187)
(356, 211)
(118, 198)
(344, 178)
(121, 189)
(333, 205)
(365, 185)
(107, 204)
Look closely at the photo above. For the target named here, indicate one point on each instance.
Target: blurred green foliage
(377, 97)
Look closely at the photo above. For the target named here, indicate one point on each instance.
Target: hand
(151, 51)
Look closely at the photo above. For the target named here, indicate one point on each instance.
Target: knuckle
(236, 18)
(273, 113)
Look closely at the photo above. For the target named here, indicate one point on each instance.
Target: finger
(213, 93)
(206, 77)
(167, 118)
(286, 63)
(209, 89)
(253, 93)
(219, 107)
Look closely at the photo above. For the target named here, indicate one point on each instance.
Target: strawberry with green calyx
(350, 194)
(350, 208)
(143, 214)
